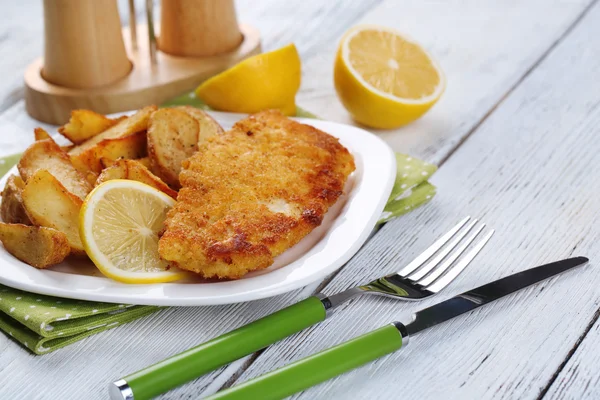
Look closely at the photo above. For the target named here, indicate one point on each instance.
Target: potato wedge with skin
(85, 124)
(129, 147)
(11, 209)
(90, 176)
(208, 126)
(16, 181)
(138, 122)
(106, 162)
(41, 134)
(48, 203)
(135, 171)
(172, 137)
(47, 155)
(37, 246)
(145, 162)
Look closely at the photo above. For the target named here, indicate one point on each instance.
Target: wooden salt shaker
(83, 43)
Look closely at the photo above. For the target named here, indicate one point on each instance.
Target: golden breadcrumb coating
(251, 193)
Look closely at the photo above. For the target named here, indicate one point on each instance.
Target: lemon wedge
(384, 79)
(119, 224)
(265, 81)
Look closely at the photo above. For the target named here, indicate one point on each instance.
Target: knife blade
(327, 364)
(468, 301)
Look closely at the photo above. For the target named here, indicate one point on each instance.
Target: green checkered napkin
(44, 323)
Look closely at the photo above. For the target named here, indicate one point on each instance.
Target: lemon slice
(265, 81)
(119, 224)
(384, 79)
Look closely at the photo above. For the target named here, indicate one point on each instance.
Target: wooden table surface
(517, 139)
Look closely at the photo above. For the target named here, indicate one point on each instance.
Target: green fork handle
(218, 352)
(317, 368)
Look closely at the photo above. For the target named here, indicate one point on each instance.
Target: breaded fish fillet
(251, 193)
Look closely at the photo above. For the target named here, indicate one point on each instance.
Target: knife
(327, 364)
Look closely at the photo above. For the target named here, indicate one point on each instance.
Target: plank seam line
(544, 55)
(570, 354)
(234, 377)
(532, 68)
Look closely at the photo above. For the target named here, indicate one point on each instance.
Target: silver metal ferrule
(326, 303)
(333, 301)
(120, 390)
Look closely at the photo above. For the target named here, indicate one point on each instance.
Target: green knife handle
(317, 368)
(224, 349)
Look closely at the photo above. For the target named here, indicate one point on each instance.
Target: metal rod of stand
(151, 34)
(133, 25)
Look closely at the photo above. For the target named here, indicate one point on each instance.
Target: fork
(426, 275)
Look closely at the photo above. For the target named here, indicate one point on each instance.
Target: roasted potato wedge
(91, 177)
(41, 134)
(136, 171)
(17, 181)
(106, 162)
(172, 137)
(48, 203)
(79, 164)
(208, 126)
(95, 159)
(145, 162)
(129, 147)
(47, 155)
(134, 124)
(85, 124)
(11, 209)
(126, 139)
(37, 246)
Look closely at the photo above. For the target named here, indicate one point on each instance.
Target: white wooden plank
(310, 24)
(21, 41)
(57, 374)
(579, 378)
(484, 48)
(528, 171)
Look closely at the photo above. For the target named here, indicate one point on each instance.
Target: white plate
(318, 255)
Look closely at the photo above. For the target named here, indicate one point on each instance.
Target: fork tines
(437, 266)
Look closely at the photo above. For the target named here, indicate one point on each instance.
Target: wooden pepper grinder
(180, 20)
(91, 62)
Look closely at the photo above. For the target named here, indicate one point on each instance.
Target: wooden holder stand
(116, 77)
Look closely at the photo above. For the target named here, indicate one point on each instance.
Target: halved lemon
(264, 81)
(384, 79)
(119, 224)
